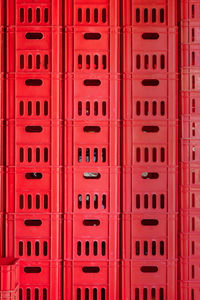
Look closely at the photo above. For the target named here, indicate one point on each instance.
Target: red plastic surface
(189, 275)
(9, 274)
(89, 149)
(150, 161)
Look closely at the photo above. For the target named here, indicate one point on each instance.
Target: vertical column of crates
(2, 124)
(92, 142)
(190, 146)
(34, 148)
(149, 219)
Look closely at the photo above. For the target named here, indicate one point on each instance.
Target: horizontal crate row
(86, 97)
(78, 13)
(86, 236)
(93, 189)
(86, 50)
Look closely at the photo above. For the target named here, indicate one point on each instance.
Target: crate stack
(190, 154)
(34, 147)
(91, 155)
(2, 125)
(149, 218)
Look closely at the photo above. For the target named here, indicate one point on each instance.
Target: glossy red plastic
(9, 274)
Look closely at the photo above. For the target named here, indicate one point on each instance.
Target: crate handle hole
(149, 222)
(150, 82)
(150, 129)
(33, 222)
(33, 128)
(91, 175)
(34, 35)
(33, 82)
(33, 175)
(95, 129)
(149, 269)
(92, 36)
(92, 82)
(150, 36)
(32, 270)
(91, 222)
(91, 269)
(150, 175)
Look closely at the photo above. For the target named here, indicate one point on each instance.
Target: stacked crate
(34, 148)
(190, 154)
(2, 125)
(149, 219)
(91, 151)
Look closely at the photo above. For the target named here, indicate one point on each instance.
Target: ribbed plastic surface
(99, 150)
(189, 278)
(150, 119)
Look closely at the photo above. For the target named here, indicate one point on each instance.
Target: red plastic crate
(190, 269)
(190, 198)
(9, 284)
(40, 278)
(189, 245)
(34, 236)
(87, 279)
(190, 104)
(144, 279)
(91, 237)
(38, 186)
(97, 183)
